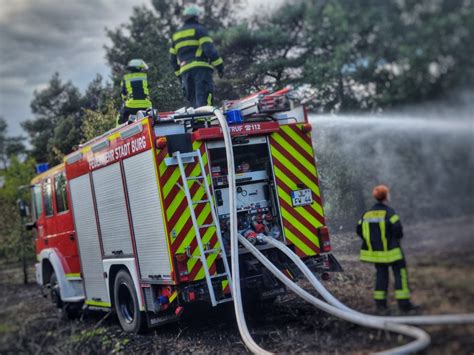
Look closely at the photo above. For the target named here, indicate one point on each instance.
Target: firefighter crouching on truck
(381, 231)
(135, 94)
(194, 57)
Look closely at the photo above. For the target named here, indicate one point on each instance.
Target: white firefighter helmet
(137, 64)
(191, 11)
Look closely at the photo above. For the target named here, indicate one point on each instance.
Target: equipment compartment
(256, 197)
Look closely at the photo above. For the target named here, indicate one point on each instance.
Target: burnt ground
(440, 258)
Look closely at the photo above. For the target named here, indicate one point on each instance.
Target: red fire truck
(136, 220)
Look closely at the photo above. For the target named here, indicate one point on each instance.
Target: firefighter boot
(406, 306)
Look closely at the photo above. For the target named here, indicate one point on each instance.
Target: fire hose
(334, 306)
(419, 320)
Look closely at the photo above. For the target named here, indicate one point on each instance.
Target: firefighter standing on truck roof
(194, 57)
(135, 93)
(381, 230)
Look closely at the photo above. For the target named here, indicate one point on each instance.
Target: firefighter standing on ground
(135, 93)
(381, 231)
(194, 57)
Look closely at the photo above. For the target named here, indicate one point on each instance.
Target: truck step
(195, 177)
(224, 300)
(210, 251)
(218, 276)
(207, 225)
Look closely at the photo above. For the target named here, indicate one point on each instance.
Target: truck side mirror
(23, 208)
(30, 225)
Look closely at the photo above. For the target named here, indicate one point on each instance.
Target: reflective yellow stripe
(209, 99)
(301, 142)
(173, 296)
(383, 235)
(380, 295)
(191, 234)
(303, 177)
(394, 219)
(210, 259)
(171, 182)
(299, 244)
(184, 33)
(217, 62)
(180, 197)
(130, 102)
(366, 235)
(376, 214)
(404, 292)
(195, 64)
(173, 50)
(198, 52)
(114, 136)
(315, 206)
(98, 303)
(138, 103)
(188, 43)
(205, 239)
(205, 39)
(163, 167)
(177, 72)
(360, 222)
(304, 214)
(224, 284)
(73, 275)
(375, 256)
(402, 295)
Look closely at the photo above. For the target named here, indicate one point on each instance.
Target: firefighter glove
(220, 71)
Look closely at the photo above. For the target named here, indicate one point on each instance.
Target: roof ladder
(186, 158)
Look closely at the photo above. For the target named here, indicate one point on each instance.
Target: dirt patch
(440, 260)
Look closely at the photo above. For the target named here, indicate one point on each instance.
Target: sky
(40, 37)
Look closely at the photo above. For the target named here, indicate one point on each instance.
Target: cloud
(40, 37)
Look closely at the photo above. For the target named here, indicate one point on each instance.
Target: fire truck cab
(137, 220)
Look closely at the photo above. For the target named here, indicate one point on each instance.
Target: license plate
(301, 197)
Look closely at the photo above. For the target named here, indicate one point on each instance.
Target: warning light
(324, 242)
(161, 142)
(306, 128)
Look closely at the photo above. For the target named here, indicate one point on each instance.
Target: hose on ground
(422, 339)
(418, 320)
(234, 248)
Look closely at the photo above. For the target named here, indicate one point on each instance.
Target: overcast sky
(40, 37)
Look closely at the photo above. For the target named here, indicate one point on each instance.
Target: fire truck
(137, 220)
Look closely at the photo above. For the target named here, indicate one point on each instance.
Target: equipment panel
(112, 211)
(88, 240)
(147, 217)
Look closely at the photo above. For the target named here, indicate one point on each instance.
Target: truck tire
(67, 310)
(126, 304)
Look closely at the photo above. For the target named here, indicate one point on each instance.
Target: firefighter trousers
(125, 112)
(198, 86)
(402, 291)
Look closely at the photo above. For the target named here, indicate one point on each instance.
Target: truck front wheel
(67, 310)
(126, 304)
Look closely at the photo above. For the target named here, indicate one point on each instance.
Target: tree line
(338, 55)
